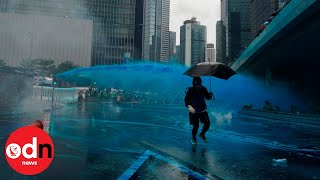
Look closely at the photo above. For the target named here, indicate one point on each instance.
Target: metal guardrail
(57, 96)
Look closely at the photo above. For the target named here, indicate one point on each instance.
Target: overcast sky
(206, 11)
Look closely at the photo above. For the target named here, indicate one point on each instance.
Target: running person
(195, 101)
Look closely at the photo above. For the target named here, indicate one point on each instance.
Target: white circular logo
(13, 151)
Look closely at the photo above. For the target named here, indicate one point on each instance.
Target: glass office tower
(193, 43)
(237, 34)
(260, 11)
(221, 42)
(113, 22)
(156, 30)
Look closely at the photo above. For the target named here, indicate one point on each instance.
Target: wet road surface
(104, 140)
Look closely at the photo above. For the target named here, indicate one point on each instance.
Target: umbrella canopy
(215, 69)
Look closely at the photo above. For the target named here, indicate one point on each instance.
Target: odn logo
(29, 150)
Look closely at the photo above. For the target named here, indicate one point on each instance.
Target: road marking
(138, 163)
(135, 166)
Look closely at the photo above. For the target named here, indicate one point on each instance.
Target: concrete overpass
(288, 50)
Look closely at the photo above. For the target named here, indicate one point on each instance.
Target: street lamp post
(42, 74)
(43, 67)
(52, 97)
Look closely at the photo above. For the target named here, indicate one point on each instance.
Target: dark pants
(194, 120)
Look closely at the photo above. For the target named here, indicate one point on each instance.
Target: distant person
(118, 98)
(80, 96)
(90, 90)
(195, 101)
(87, 93)
(267, 106)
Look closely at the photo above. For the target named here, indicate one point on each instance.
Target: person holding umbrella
(196, 95)
(195, 101)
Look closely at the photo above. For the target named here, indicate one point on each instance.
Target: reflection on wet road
(103, 140)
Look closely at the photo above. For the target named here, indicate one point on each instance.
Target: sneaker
(203, 137)
(194, 141)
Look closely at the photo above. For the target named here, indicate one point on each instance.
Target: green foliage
(4, 67)
(44, 67)
(43, 63)
(39, 67)
(2, 63)
(65, 66)
(27, 66)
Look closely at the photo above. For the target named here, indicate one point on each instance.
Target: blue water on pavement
(101, 140)
(96, 140)
(169, 85)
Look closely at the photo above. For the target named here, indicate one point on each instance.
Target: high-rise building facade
(172, 49)
(221, 42)
(235, 16)
(138, 30)
(113, 23)
(156, 30)
(165, 35)
(260, 11)
(178, 54)
(211, 53)
(26, 37)
(193, 42)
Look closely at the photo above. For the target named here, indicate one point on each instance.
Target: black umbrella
(215, 69)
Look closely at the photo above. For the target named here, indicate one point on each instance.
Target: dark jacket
(195, 97)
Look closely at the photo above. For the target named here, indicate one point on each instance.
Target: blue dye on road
(99, 140)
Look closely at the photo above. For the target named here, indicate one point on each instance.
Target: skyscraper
(211, 53)
(178, 53)
(260, 11)
(172, 49)
(156, 30)
(113, 23)
(193, 42)
(221, 42)
(235, 16)
(138, 30)
(27, 37)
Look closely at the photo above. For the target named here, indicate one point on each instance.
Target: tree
(65, 66)
(39, 67)
(4, 67)
(27, 66)
(2, 63)
(44, 67)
